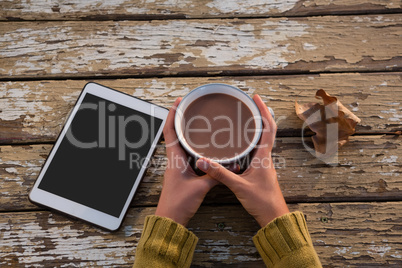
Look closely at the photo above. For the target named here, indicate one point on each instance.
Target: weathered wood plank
(344, 234)
(163, 9)
(200, 47)
(35, 111)
(369, 168)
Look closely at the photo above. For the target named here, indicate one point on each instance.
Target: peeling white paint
(358, 19)
(246, 259)
(245, 28)
(308, 46)
(175, 44)
(390, 111)
(342, 251)
(14, 105)
(390, 159)
(180, 92)
(67, 242)
(380, 250)
(11, 170)
(159, 87)
(107, 7)
(395, 119)
(219, 250)
(250, 5)
(71, 97)
(396, 115)
(245, 86)
(392, 173)
(255, 51)
(264, 50)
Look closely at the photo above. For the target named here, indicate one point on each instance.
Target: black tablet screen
(101, 155)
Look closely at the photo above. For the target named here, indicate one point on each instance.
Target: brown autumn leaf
(332, 122)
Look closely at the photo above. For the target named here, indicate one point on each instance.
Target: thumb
(217, 172)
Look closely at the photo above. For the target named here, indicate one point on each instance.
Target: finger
(269, 129)
(176, 156)
(268, 121)
(169, 132)
(218, 172)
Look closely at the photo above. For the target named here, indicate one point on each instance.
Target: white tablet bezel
(75, 209)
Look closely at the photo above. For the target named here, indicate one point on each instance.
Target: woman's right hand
(257, 188)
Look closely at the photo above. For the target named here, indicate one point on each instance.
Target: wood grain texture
(35, 111)
(200, 47)
(212, 41)
(369, 169)
(168, 9)
(344, 234)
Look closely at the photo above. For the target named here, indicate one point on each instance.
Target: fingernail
(202, 164)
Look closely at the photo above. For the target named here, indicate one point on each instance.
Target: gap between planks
(189, 9)
(200, 74)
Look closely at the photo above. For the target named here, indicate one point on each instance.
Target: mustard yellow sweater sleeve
(285, 242)
(164, 244)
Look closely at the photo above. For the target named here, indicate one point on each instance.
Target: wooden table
(159, 50)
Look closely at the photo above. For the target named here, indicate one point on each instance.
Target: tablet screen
(101, 154)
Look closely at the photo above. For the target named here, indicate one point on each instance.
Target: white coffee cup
(220, 89)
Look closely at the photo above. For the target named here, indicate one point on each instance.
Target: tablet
(100, 156)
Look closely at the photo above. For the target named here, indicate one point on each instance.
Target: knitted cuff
(167, 242)
(286, 242)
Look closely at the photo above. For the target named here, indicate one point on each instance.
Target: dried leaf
(332, 122)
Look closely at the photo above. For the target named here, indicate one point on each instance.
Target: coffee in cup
(219, 122)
